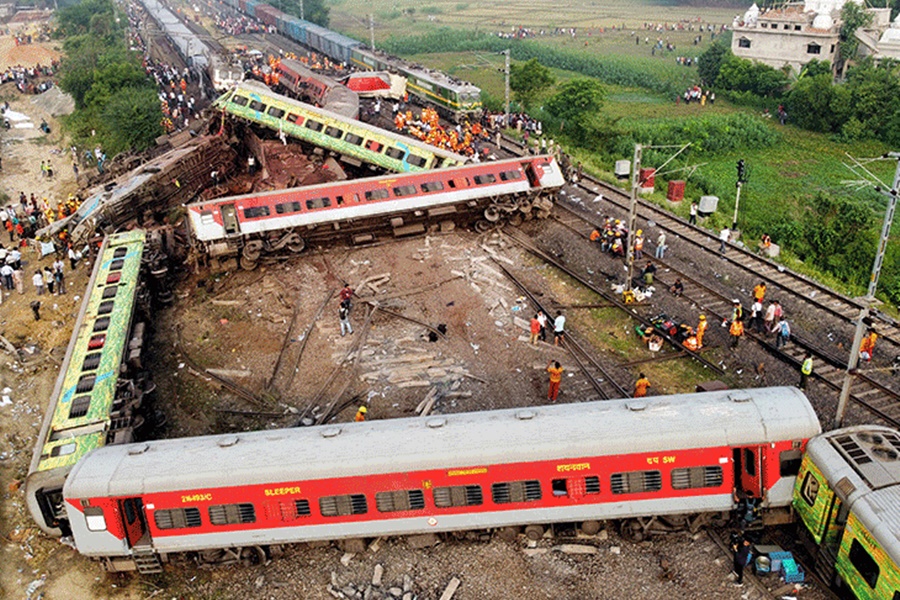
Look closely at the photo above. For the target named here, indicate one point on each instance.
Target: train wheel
(297, 245)
(534, 532)
(516, 219)
(632, 530)
(591, 527)
(253, 555)
(508, 534)
(252, 251)
(247, 264)
(492, 214)
(482, 226)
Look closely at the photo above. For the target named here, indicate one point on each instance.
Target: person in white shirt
(559, 328)
(38, 280)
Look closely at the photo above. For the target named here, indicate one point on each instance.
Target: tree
(313, 10)
(575, 99)
(131, 120)
(853, 17)
(816, 67)
(815, 103)
(709, 63)
(741, 75)
(528, 81)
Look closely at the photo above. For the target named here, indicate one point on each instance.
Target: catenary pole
(632, 213)
(506, 89)
(853, 362)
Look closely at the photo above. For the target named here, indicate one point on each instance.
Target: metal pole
(372, 30)
(506, 92)
(632, 213)
(870, 296)
(301, 10)
(737, 201)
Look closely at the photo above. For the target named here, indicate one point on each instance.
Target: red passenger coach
(626, 460)
(509, 190)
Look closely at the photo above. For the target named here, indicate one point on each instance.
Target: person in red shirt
(535, 329)
(555, 370)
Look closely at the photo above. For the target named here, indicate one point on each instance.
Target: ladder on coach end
(146, 560)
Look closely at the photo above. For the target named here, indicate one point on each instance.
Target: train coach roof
(862, 464)
(610, 427)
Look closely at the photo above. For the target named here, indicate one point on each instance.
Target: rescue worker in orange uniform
(360, 414)
(595, 235)
(736, 330)
(867, 347)
(701, 330)
(641, 386)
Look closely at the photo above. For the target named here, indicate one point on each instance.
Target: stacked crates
(784, 563)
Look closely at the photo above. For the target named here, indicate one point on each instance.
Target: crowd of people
(463, 138)
(698, 95)
(31, 80)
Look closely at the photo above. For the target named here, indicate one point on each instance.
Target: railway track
(874, 396)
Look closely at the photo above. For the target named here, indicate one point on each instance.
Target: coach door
(748, 470)
(132, 511)
(229, 219)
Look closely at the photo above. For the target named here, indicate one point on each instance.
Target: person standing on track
(806, 370)
(535, 330)
(701, 331)
(559, 328)
(693, 215)
(737, 331)
(742, 556)
(555, 370)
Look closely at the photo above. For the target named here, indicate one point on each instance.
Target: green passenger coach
(353, 141)
(848, 497)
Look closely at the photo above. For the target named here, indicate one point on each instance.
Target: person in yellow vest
(360, 414)
(736, 330)
(806, 370)
(701, 330)
(639, 244)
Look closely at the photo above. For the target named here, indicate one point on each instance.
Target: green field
(784, 177)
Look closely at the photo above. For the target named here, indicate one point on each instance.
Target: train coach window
(97, 342)
(314, 125)
(177, 518)
(63, 449)
(79, 407)
(696, 477)
(458, 495)
(416, 161)
(239, 100)
(333, 132)
(113, 278)
(576, 486)
(232, 514)
(93, 517)
(85, 384)
(91, 361)
(790, 462)
(352, 138)
(635, 482)
(395, 153)
(400, 500)
(207, 218)
(101, 324)
(380, 194)
(295, 118)
(863, 562)
(374, 146)
(289, 510)
(516, 491)
(405, 190)
(120, 252)
(349, 504)
(276, 112)
(257, 106)
(323, 202)
(486, 178)
(346, 198)
(105, 307)
(288, 207)
(110, 292)
(432, 186)
(510, 175)
(117, 264)
(256, 211)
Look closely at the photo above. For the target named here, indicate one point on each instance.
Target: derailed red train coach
(250, 225)
(627, 460)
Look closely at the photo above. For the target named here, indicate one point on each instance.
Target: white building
(791, 35)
